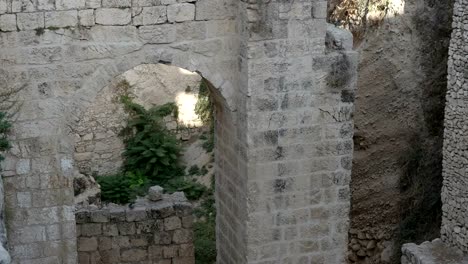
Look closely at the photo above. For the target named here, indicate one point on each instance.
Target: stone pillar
(39, 194)
(454, 230)
(283, 194)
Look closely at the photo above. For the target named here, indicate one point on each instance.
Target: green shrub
(4, 128)
(194, 170)
(122, 187)
(204, 109)
(205, 230)
(193, 190)
(151, 148)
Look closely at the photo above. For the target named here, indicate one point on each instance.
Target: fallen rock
(155, 193)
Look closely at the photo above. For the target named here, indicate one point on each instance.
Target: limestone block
(3, 6)
(168, 2)
(172, 223)
(319, 9)
(141, 3)
(180, 12)
(150, 15)
(45, 5)
(155, 193)
(93, 3)
(182, 236)
(87, 244)
(70, 4)
(23, 166)
(116, 3)
(137, 214)
(28, 21)
(8, 22)
(215, 9)
(113, 16)
(186, 260)
(157, 34)
(86, 17)
(61, 19)
(22, 6)
(134, 255)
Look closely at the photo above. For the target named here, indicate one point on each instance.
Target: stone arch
(286, 149)
(223, 89)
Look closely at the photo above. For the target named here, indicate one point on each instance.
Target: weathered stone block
(180, 12)
(59, 19)
(113, 16)
(23, 166)
(101, 216)
(155, 193)
(172, 223)
(110, 229)
(162, 238)
(186, 260)
(141, 3)
(70, 4)
(134, 255)
(8, 22)
(182, 236)
(170, 251)
(136, 214)
(155, 252)
(104, 243)
(92, 3)
(3, 6)
(150, 15)
(28, 21)
(110, 256)
(126, 228)
(86, 17)
(157, 34)
(186, 250)
(91, 229)
(87, 244)
(116, 3)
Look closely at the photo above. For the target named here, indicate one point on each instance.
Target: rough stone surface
(105, 237)
(454, 230)
(8, 22)
(279, 113)
(435, 252)
(155, 193)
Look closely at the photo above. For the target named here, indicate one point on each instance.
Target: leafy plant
(193, 190)
(151, 148)
(205, 230)
(204, 110)
(122, 187)
(4, 128)
(194, 170)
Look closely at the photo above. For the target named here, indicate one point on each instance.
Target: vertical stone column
(283, 193)
(454, 230)
(39, 194)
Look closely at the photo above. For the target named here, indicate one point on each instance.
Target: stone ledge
(435, 252)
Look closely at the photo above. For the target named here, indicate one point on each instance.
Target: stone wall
(454, 230)
(151, 232)
(284, 116)
(435, 252)
(98, 146)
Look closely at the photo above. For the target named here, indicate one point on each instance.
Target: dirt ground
(401, 79)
